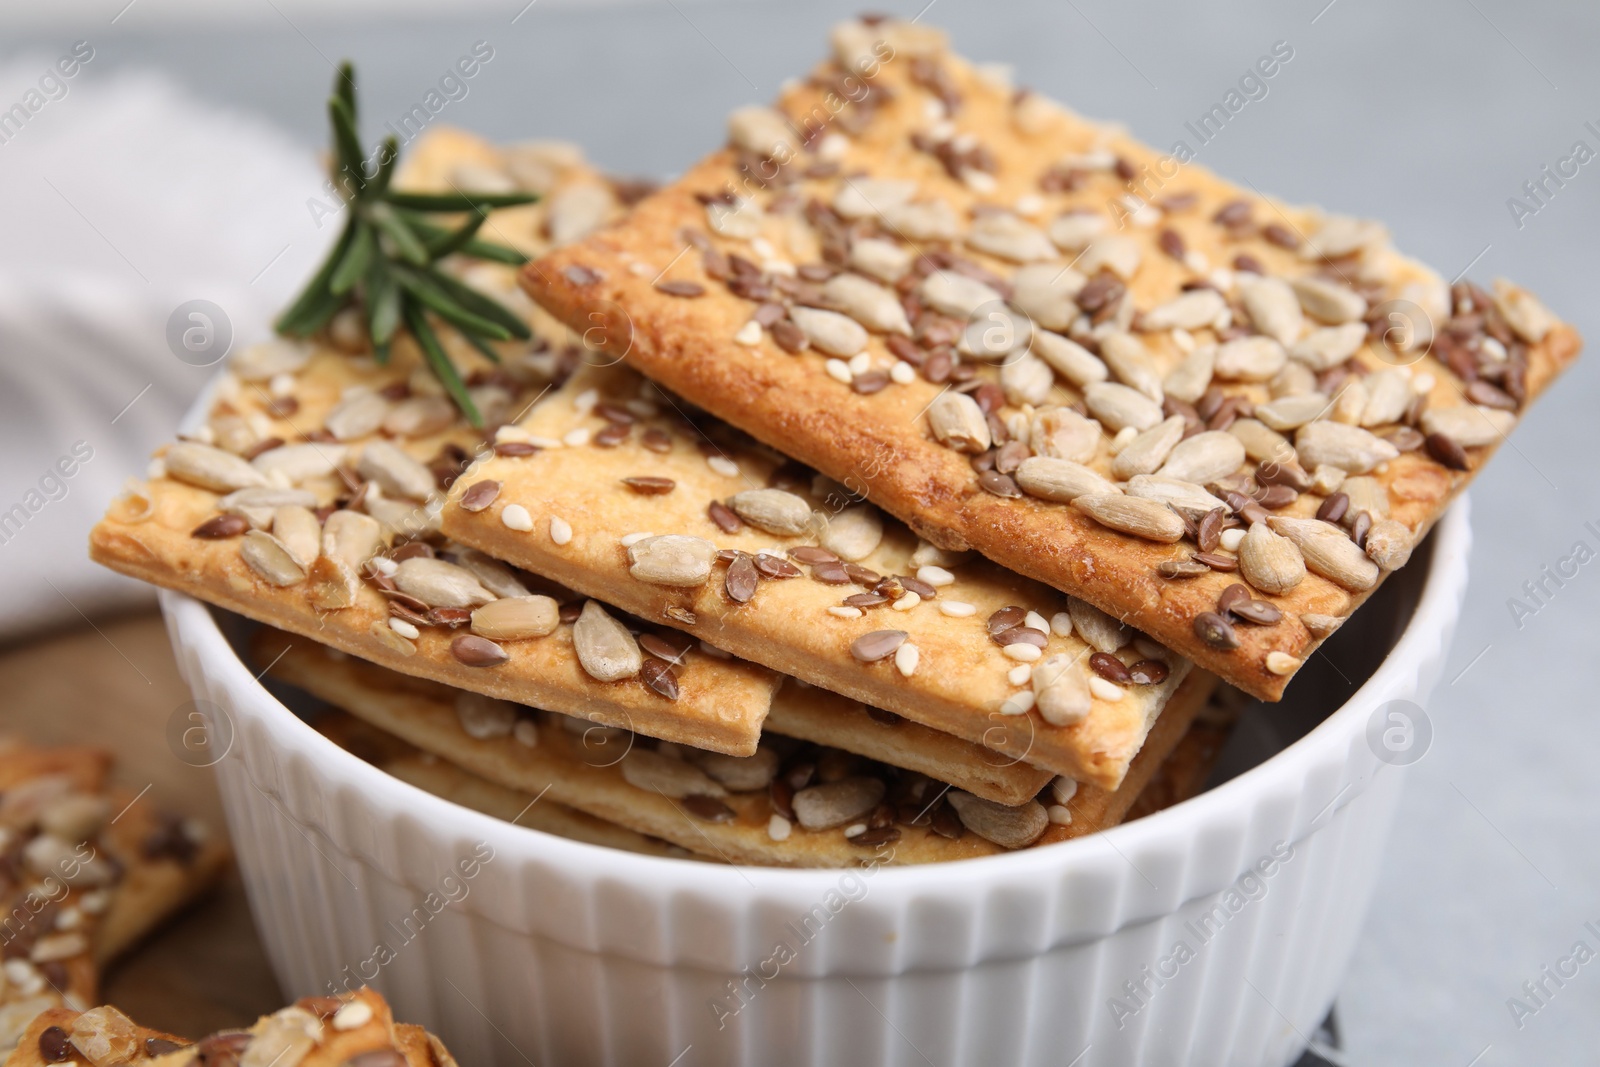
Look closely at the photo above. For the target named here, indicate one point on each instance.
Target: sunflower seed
(854, 533)
(1026, 379)
(1329, 302)
(485, 718)
(1269, 561)
(959, 424)
(1469, 425)
(773, 510)
(1368, 494)
(293, 464)
(1329, 552)
(267, 556)
(1295, 379)
(672, 559)
(211, 468)
(1327, 347)
(1146, 452)
(1204, 458)
(740, 774)
(394, 471)
(1179, 494)
(675, 778)
(864, 198)
(1062, 433)
(1073, 231)
(605, 648)
(1060, 480)
(1189, 380)
(1389, 544)
(1069, 359)
(419, 416)
(955, 294)
(1045, 292)
(1008, 236)
(257, 504)
(1130, 362)
(933, 220)
(440, 584)
(823, 807)
(867, 302)
(1008, 827)
(1528, 318)
(884, 260)
(1273, 308)
(829, 331)
(265, 361)
(516, 618)
(1117, 253)
(1061, 689)
(1118, 406)
(1349, 448)
(761, 131)
(1099, 630)
(1261, 443)
(1388, 396)
(299, 532)
(357, 415)
(1289, 412)
(351, 538)
(1342, 235)
(1250, 359)
(1188, 311)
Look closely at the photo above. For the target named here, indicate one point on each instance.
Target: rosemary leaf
(353, 264)
(405, 240)
(348, 146)
(383, 305)
(451, 240)
(423, 289)
(478, 304)
(433, 352)
(458, 201)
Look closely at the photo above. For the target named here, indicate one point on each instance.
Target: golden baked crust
(94, 868)
(326, 1031)
(962, 680)
(1030, 161)
(583, 769)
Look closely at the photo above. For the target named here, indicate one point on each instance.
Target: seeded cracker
(83, 883)
(807, 579)
(785, 806)
(1024, 333)
(310, 498)
(352, 1029)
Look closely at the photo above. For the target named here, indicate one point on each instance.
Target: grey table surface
(1430, 115)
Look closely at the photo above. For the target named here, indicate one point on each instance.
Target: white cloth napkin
(124, 199)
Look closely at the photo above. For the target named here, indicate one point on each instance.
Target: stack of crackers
(895, 486)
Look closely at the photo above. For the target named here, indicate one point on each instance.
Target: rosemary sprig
(385, 261)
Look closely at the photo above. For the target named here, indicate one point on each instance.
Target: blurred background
(179, 163)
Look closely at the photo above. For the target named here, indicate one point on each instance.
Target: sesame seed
(855, 829)
(907, 602)
(1022, 652)
(1231, 538)
(1424, 382)
(560, 530)
(1101, 688)
(1018, 703)
(586, 400)
(1031, 204)
(1034, 621)
(1058, 815)
(1020, 674)
(353, 1016)
(510, 432)
(860, 363)
(629, 540)
(544, 442)
(843, 612)
(779, 828)
(839, 370)
(404, 629)
(1061, 624)
(281, 385)
(763, 247)
(906, 658)
(957, 609)
(749, 333)
(576, 438)
(902, 373)
(937, 577)
(516, 517)
(723, 466)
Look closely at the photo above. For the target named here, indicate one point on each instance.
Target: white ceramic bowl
(1215, 932)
